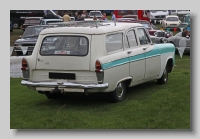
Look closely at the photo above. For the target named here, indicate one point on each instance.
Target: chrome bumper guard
(64, 85)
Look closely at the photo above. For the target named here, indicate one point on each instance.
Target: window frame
(147, 34)
(114, 33)
(126, 37)
(64, 54)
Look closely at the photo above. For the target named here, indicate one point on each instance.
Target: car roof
(171, 16)
(133, 21)
(41, 26)
(34, 17)
(107, 28)
(52, 19)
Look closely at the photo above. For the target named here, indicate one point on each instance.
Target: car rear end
(30, 22)
(63, 62)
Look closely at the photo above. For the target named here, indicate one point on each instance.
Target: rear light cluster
(99, 72)
(25, 69)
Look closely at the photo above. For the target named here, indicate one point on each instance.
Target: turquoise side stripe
(158, 50)
(115, 63)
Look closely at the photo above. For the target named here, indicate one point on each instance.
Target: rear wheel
(119, 93)
(164, 78)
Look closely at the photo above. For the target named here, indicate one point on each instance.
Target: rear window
(65, 45)
(114, 42)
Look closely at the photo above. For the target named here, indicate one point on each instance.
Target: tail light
(25, 69)
(99, 72)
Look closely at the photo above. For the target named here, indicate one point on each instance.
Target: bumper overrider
(64, 85)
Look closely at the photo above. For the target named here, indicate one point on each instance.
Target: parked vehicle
(186, 22)
(149, 26)
(18, 16)
(139, 13)
(88, 59)
(28, 40)
(157, 15)
(47, 21)
(98, 14)
(31, 21)
(175, 40)
(170, 21)
(11, 26)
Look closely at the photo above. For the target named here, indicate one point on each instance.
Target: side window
(143, 37)
(131, 39)
(114, 42)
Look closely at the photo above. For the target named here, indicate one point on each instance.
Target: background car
(130, 16)
(186, 22)
(31, 21)
(98, 14)
(47, 21)
(29, 39)
(157, 15)
(149, 26)
(171, 21)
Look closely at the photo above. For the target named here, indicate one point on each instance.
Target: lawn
(146, 106)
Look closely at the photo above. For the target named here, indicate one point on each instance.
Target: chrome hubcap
(119, 90)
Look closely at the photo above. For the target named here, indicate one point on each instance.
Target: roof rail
(90, 23)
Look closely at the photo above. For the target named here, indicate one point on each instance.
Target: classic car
(186, 22)
(31, 21)
(29, 39)
(180, 12)
(88, 59)
(98, 14)
(47, 21)
(170, 21)
(149, 26)
(176, 41)
(157, 15)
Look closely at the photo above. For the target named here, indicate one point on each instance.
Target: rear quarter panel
(167, 51)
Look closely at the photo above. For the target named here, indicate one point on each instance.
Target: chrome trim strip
(64, 84)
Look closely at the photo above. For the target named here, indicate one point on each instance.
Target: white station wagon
(106, 57)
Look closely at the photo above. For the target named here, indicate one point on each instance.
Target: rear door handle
(129, 52)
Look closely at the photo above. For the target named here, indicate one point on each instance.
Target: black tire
(53, 95)
(119, 93)
(164, 77)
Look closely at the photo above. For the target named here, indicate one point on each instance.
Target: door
(152, 54)
(64, 52)
(136, 56)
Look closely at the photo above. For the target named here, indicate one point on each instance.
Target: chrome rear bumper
(64, 85)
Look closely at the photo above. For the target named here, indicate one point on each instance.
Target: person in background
(169, 12)
(104, 17)
(76, 16)
(148, 14)
(94, 18)
(185, 33)
(83, 14)
(113, 16)
(80, 17)
(66, 17)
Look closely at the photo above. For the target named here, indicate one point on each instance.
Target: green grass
(15, 35)
(146, 106)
